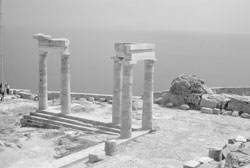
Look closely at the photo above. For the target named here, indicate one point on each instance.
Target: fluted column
(126, 111)
(65, 83)
(117, 92)
(43, 82)
(147, 114)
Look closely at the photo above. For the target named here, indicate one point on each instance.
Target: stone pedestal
(126, 109)
(65, 84)
(43, 83)
(147, 114)
(117, 92)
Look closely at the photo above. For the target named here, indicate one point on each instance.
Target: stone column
(147, 114)
(65, 83)
(126, 110)
(117, 92)
(43, 82)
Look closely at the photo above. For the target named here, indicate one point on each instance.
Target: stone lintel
(135, 51)
(45, 42)
(134, 47)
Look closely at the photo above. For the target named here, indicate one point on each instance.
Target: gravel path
(182, 136)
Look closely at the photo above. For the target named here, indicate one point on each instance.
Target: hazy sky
(222, 16)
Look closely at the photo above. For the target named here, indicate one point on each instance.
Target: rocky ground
(180, 136)
(31, 147)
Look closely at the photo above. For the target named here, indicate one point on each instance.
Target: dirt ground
(180, 136)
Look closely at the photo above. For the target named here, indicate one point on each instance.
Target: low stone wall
(55, 95)
(243, 91)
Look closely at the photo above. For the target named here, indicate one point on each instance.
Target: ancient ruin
(45, 45)
(127, 55)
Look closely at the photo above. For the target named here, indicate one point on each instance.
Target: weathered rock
(190, 99)
(177, 100)
(170, 105)
(239, 103)
(206, 110)
(245, 115)
(184, 107)
(91, 99)
(213, 101)
(158, 100)
(216, 111)
(236, 160)
(226, 112)
(236, 114)
(187, 84)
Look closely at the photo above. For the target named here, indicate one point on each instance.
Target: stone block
(215, 153)
(96, 156)
(206, 110)
(203, 160)
(216, 111)
(111, 147)
(239, 103)
(191, 164)
(184, 107)
(236, 114)
(212, 164)
(245, 115)
(102, 99)
(170, 105)
(91, 99)
(240, 138)
(226, 112)
(231, 141)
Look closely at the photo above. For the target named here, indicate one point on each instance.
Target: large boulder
(189, 84)
(178, 99)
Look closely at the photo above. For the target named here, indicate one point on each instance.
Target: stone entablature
(135, 51)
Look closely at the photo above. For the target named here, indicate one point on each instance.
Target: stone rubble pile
(235, 154)
(188, 90)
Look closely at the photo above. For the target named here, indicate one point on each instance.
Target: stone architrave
(45, 45)
(148, 95)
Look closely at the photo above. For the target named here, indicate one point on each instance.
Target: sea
(219, 59)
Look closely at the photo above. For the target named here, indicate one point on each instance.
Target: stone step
(64, 124)
(62, 119)
(66, 119)
(75, 118)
